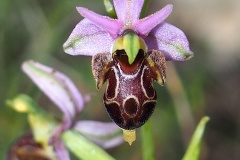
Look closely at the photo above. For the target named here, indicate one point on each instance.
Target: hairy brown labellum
(130, 97)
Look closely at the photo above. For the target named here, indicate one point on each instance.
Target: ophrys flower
(129, 53)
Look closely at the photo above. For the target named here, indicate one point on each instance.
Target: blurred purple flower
(96, 33)
(62, 91)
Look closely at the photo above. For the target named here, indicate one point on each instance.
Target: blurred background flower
(49, 137)
(33, 29)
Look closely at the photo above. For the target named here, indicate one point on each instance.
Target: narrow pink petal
(61, 151)
(59, 129)
(128, 11)
(171, 41)
(88, 39)
(105, 134)
(58, 87)
(144, 26)
(112, 26)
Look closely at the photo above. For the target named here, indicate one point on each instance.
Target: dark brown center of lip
(121, 57)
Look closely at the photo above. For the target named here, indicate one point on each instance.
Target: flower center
(131, 43)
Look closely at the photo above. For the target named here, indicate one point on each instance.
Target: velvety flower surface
(96, 33)
(63, 92)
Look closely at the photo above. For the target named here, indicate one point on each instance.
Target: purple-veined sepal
(58, 87)
(87, 39)
(171, 41)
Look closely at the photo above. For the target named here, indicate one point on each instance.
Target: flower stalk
(148, 149)
(144, 8)
(109, 8)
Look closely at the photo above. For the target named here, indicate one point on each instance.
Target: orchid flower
(146, 42)
(97, 34)
(47, 131)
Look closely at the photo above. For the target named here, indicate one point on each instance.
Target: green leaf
(83, 148)
(194, 147)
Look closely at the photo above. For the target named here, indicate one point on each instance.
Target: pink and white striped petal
(105, 134)
(61, 151)
(58, 87)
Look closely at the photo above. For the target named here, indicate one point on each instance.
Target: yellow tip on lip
(129, 136)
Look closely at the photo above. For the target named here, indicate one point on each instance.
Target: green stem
(144, 8)
(83, 148)
(147, 141)
(109, 8)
